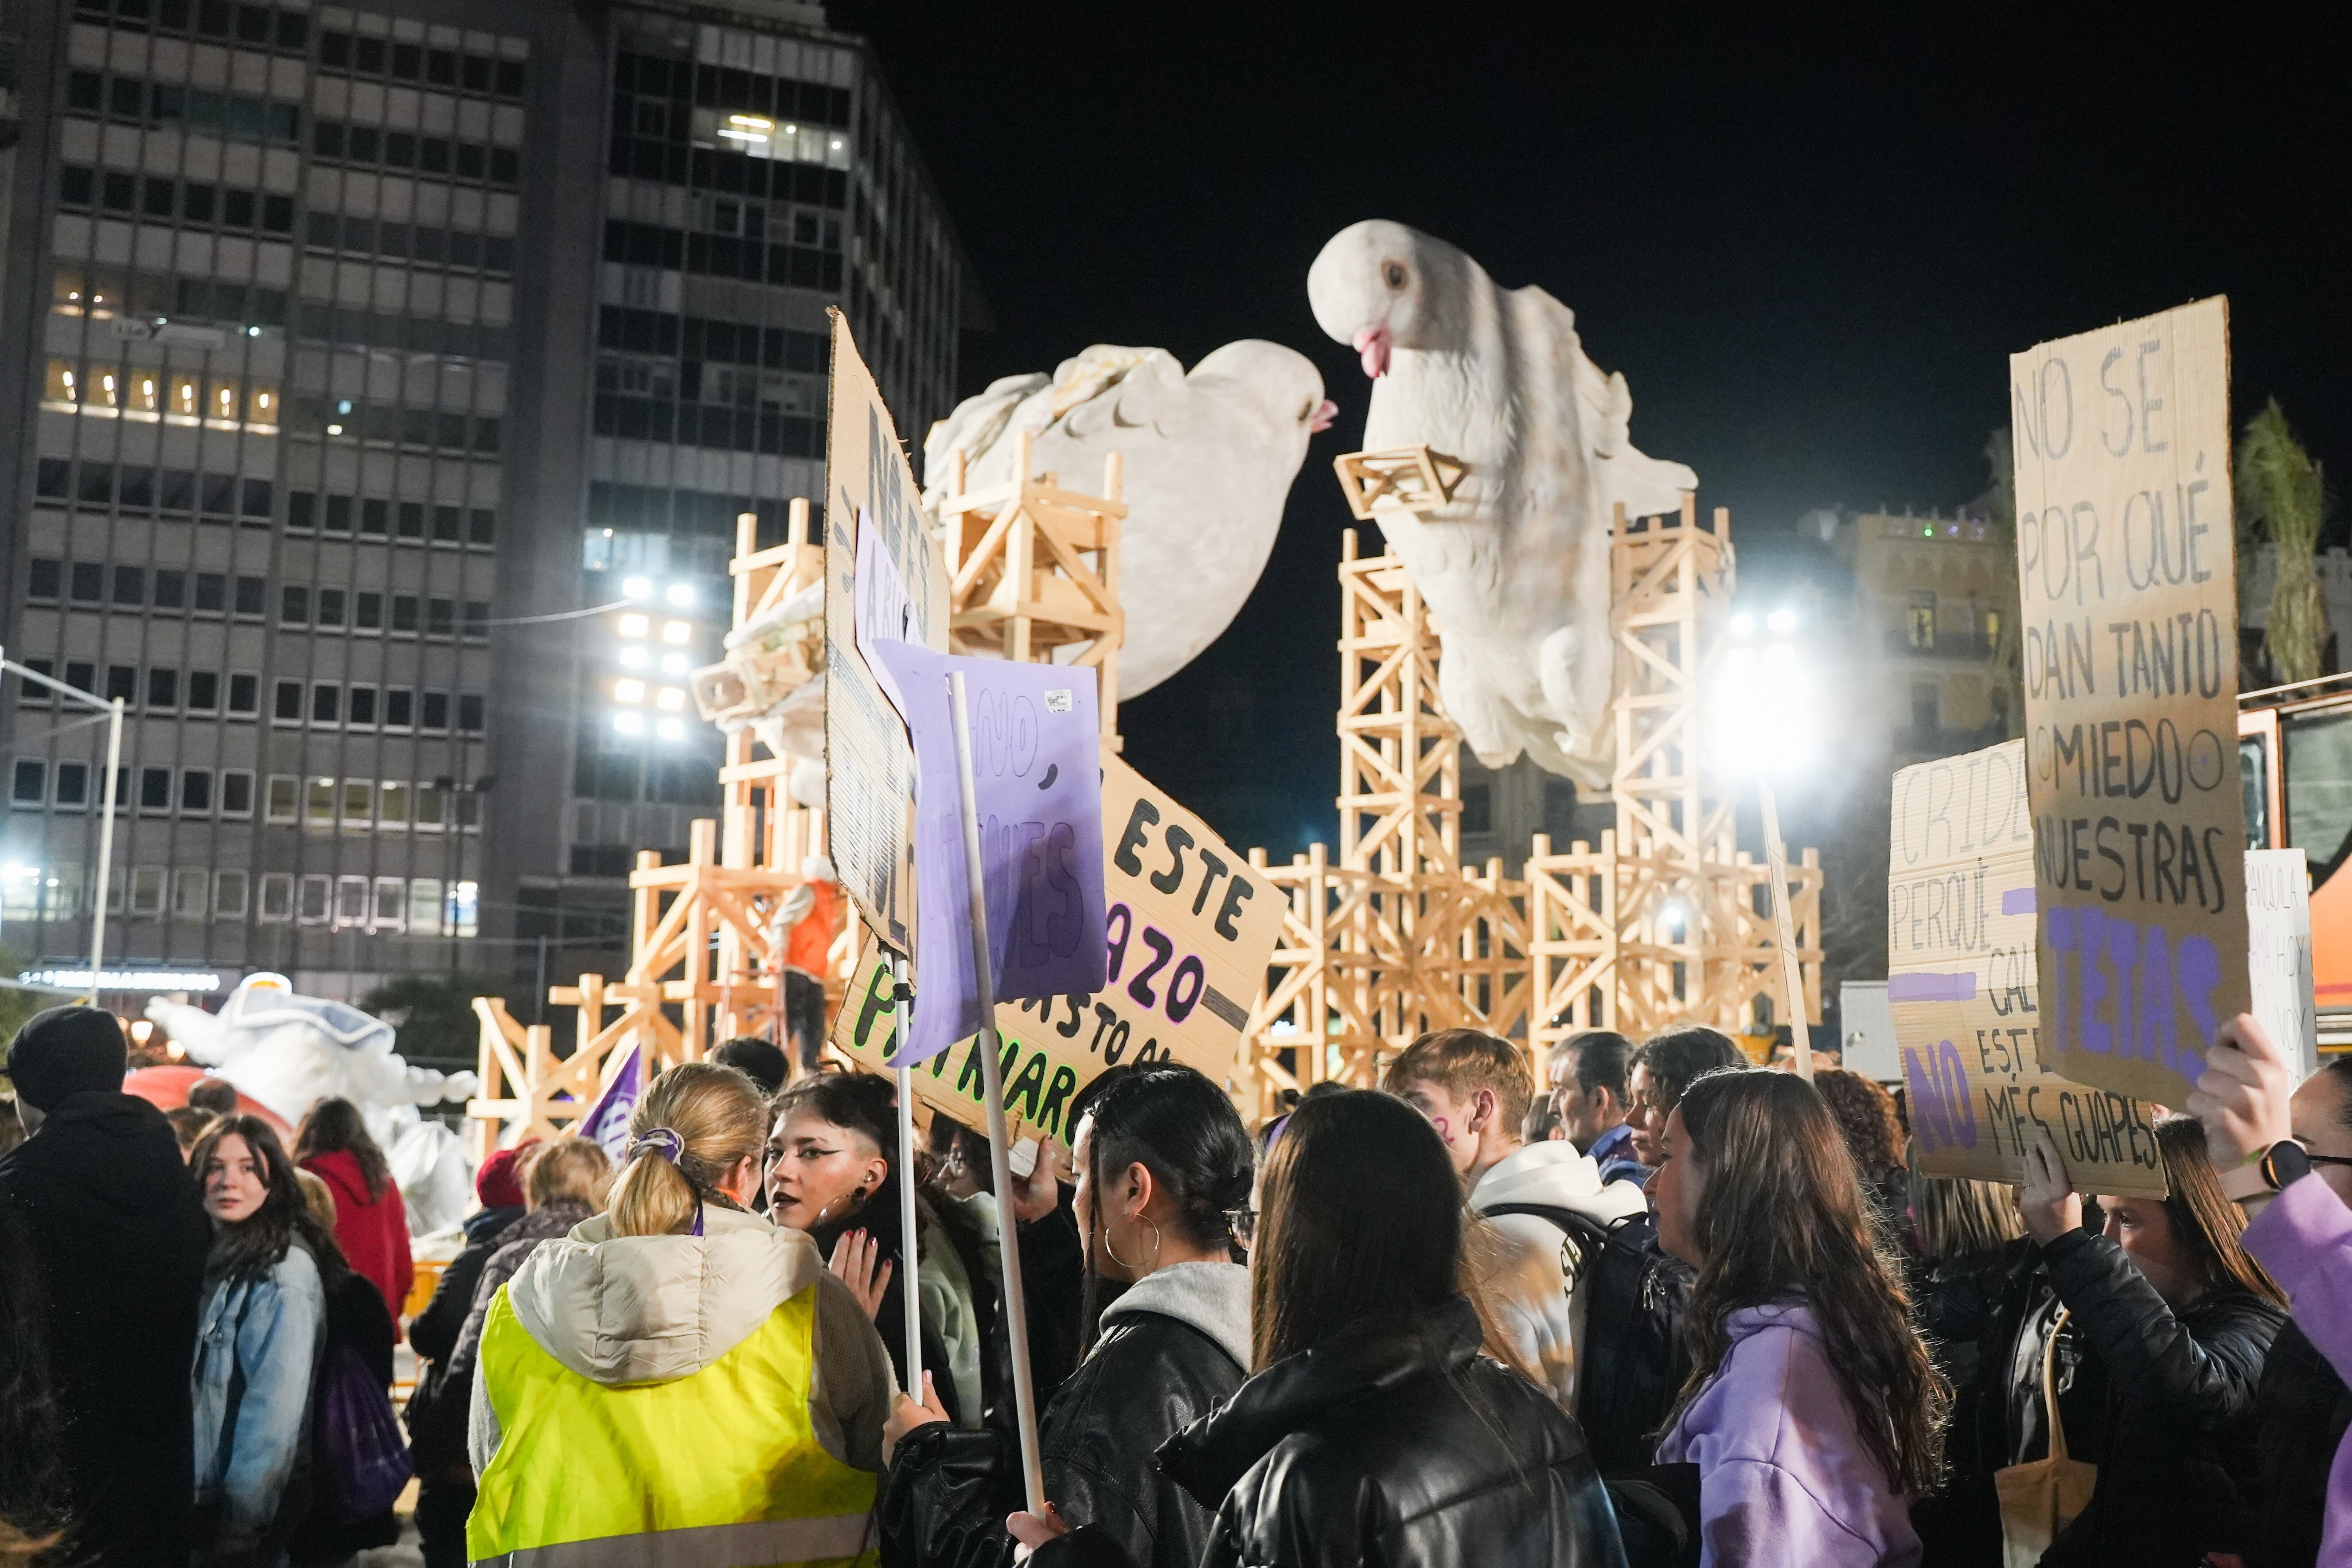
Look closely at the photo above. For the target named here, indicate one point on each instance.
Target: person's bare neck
(1492, 1151)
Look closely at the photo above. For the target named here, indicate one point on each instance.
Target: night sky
(1810, 247)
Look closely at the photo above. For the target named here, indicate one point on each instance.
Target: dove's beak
(1372, 344)
(1320, 421)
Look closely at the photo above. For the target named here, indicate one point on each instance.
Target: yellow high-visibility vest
(717, 1470)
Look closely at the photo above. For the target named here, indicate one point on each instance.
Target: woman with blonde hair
(679, 1311)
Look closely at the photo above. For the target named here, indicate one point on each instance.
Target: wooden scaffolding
(1667, 920)
(1033, 570)
(705, 938)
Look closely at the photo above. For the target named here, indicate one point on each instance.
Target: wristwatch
(2285, 1161)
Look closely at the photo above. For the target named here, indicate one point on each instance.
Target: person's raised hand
(2242, 1096)
(1039, 1193)
(1034, 1529)
(906, 1415)
(853, 1264)
(2046, 1197)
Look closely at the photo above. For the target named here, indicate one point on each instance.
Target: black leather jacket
(1395, 1443)
(948, 1489)
(2303, 1408)
(2177, 1479)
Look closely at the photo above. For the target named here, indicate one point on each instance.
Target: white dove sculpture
(1209, 460)
(1516, 565)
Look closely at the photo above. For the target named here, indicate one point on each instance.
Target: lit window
(671, 730)
(676, 631)
(635, 626)
(629, 723)
(673, 664)
(635, 657)
(628, 691)
(672, 699)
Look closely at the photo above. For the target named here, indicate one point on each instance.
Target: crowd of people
(1678, 1309)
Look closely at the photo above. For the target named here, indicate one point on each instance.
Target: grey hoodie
(1213, 1297)
(623, 1310)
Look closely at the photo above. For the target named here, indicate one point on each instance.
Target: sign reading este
(1960, 982)
(1189, 925)
(869, 764)
(2128, 585)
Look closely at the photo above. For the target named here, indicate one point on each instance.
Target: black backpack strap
(1587, 1234)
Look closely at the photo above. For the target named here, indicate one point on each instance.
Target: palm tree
(2284, 498)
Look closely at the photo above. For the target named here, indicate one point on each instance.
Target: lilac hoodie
(1784, 1478)
(2304, 1239)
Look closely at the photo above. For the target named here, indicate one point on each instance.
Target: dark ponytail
(1181, 1128)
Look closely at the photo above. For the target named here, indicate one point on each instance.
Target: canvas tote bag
(2038, 1499)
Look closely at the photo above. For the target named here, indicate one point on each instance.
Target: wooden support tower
(1033, 572)
(706, 961)
(1666, 921)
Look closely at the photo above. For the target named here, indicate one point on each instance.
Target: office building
(353, 349)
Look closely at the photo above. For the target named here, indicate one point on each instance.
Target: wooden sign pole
(1016, 1307)
(909, 1292)
(1792, 974)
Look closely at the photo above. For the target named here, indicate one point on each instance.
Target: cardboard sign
(2278, 953)
(1037, 788)
(1961, 970)
(1190, 927)
(2128, 585)
(869, 764)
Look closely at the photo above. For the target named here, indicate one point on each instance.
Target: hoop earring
(1122, 1262)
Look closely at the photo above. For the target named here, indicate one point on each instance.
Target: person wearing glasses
(1164, 1169)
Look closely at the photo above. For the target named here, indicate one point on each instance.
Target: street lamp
(112, 709)
(1763, 717)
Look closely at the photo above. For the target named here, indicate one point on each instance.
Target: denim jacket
(264, 1331)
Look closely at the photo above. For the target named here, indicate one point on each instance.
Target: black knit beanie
(67, 1051)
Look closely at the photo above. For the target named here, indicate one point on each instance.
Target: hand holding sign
(2046, 1198)
(2243, 1096)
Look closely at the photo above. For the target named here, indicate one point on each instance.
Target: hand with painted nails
(854, 1264)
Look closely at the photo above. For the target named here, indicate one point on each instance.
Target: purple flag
(1037, 776)
(607, 1121)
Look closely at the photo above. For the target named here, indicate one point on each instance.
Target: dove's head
(1279, 384)
(1378, 286)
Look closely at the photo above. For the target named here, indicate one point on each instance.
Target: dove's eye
(1394, 274)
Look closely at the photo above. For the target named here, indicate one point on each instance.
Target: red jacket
(372, 1232)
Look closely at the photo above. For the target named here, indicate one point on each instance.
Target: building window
(284, 792)
(1921, 623)
(32, 783)
(163, 688)
(203, 690)
(276, 896)
(326, 703)
(317, 893)
(154, 789)
(229, 895)
(319, 805)
(73, 783)
(294, 607)
(425, 905)
(1477, 808)
(391, 903)
(351, 902)
(1926, 708)
(147, 884)
(361, 706)
(399, 707)
(290, 702)
(358, 804)
(470, 713)
(195, 791)
(123, 682)
(244, 694)
(237, 792)
(190, 893)
(46, 579)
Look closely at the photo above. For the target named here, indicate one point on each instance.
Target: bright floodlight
(1781, 621)
(674, 664)
(629, 723)
(671, 730)
(628, 691)
(1761, 711)
(1743, 624)
(670, 698)
(681, 594)
(635, 627)
(635, 657)
(637, 588)
(676, 631)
